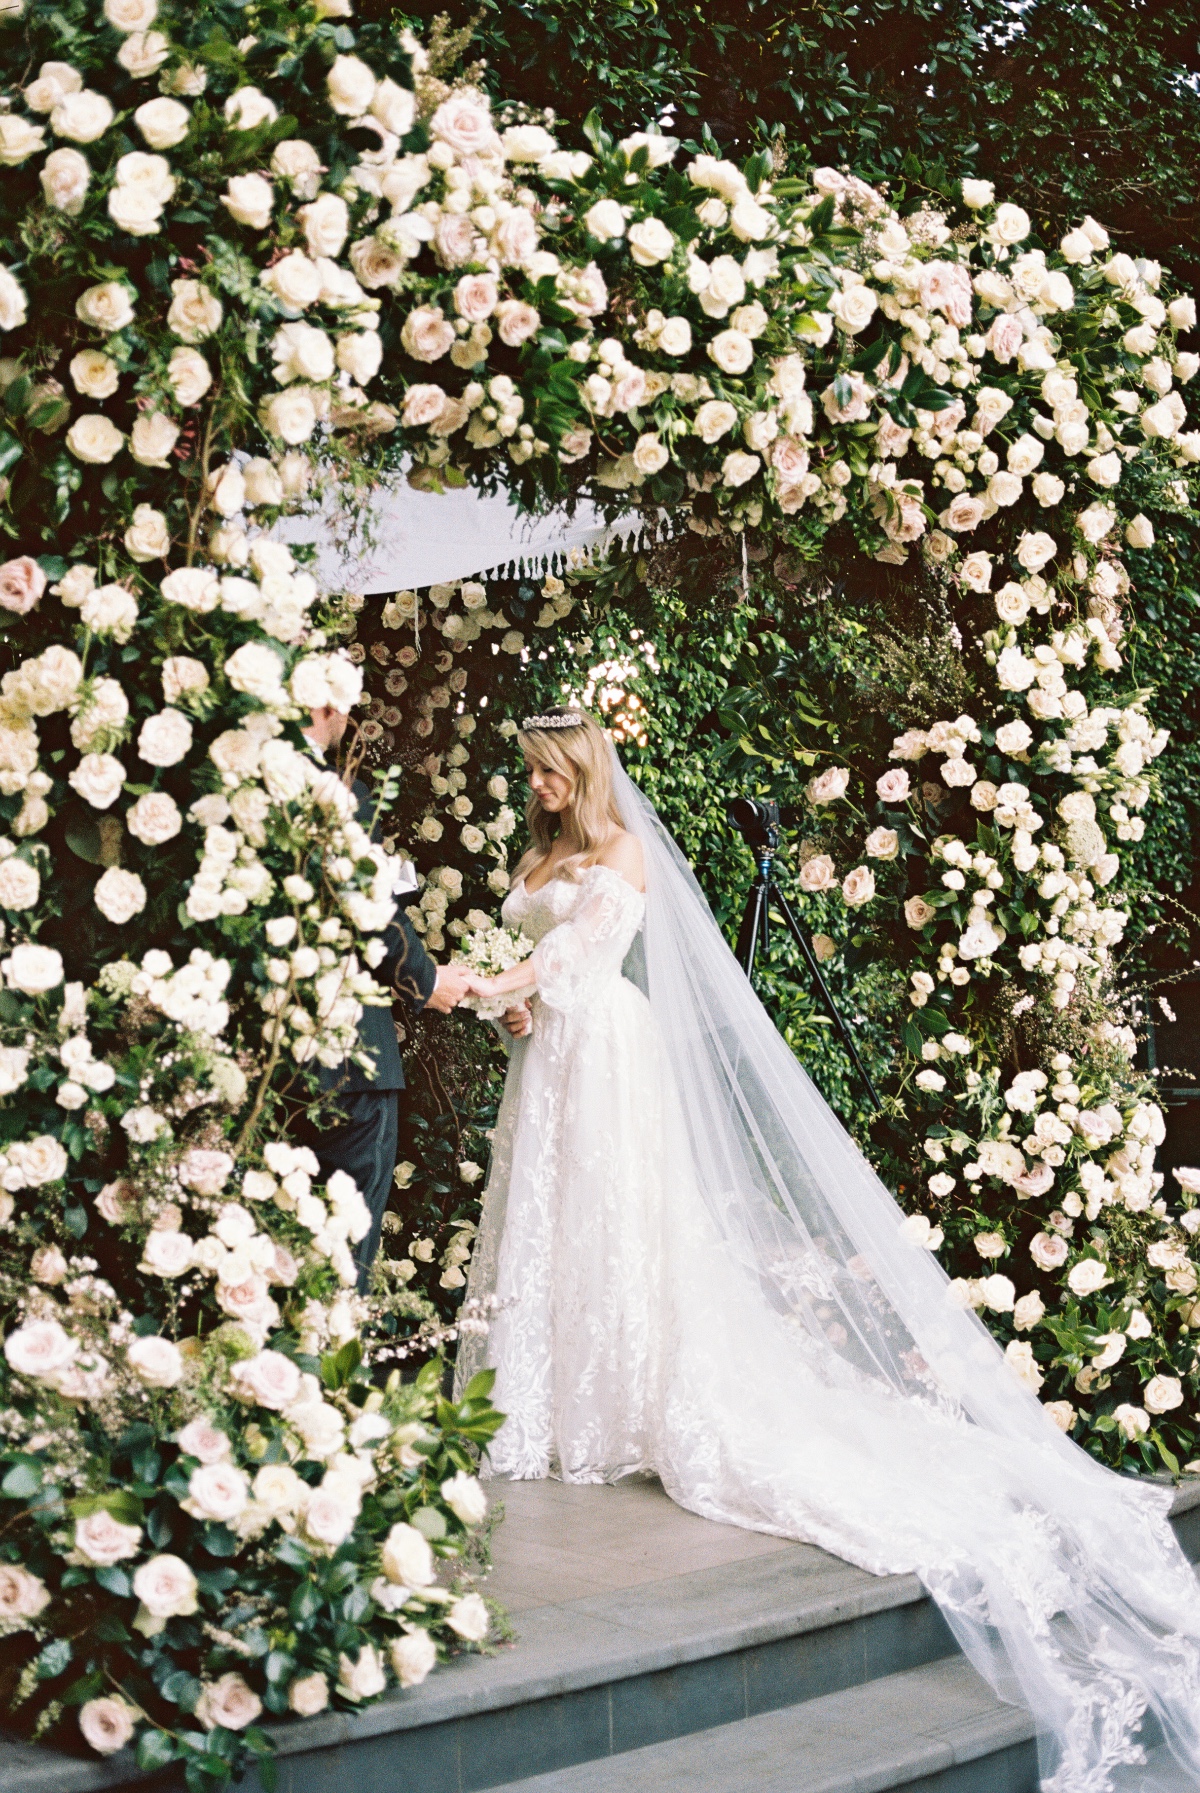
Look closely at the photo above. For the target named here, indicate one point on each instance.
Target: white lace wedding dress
(776, 1373)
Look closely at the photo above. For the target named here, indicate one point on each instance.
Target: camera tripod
(758, 823)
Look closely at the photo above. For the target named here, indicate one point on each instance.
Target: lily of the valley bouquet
(488, 950)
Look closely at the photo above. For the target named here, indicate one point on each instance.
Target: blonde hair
(581, 753)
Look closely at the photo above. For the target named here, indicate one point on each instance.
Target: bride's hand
(518, 1020)
(480, 986)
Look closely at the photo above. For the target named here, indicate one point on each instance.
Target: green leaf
(82, 834)
(155, 1749)
(115, 1581)
(23, 1479)
(54, 1659)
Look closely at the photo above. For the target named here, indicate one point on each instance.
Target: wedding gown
(787, 1361)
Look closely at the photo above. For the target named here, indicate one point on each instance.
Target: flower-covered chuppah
(236, 267)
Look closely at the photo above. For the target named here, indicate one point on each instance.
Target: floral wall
(239, 269)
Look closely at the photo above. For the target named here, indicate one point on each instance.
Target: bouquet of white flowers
(489, 950)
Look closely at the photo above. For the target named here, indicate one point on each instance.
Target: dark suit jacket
(407, 969)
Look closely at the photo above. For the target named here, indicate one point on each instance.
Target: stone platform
(655, 1652)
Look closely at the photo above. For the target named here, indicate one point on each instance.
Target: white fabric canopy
(434, 538)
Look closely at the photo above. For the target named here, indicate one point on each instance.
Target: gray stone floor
(558, 1542)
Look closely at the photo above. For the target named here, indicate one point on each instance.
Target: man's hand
(518, 1021)
(451, 986)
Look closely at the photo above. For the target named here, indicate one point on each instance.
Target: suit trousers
(364, 1143)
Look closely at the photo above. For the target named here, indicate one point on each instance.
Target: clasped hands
(454, 983)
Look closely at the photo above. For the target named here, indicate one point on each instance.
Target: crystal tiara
(573, 719)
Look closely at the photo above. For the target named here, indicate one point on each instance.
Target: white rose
(605, 220)
(163, 123)
(166, 1587)
(412, 1657)
(290, 415)
(465, 1498)
(65, 176)
(714, 419)
(1048, 489)
(98, 779)
(83, 116)
(295, 280)
(298, 162)
(154, 436)
(33, 970)
(20, 884)
(147, 537)
(308, 1695)
(109, 610)
(361, 1678)
(247, 108)
(107, 307)
(394, 107)
(406, 1558)
(155, 1361)
(469, 1617)
(189, 376)
(92, 438)
(853, 308)
(166, 1253)
(1162, 1393)
(249, 199)
(54, 79)
(195, 313)
(732, 351)
(1087, 1276)
(301, 352)
(650, 242)
(326, 222)
(977, 194)
(143, 53)
(19, 139)
(1009, 225)
(154, 818)
(360, 354)
(739, 467)
(131, 15)
(165, 739)
(350, 86)
(193, 588)
(120, 896)
(270, 1380)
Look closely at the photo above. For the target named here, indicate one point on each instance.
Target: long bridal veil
(1061, 1580)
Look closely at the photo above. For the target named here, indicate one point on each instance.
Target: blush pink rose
(463, 122)
(515, 238)
(422, 404)
(789, 457)
(1004, 338)
(946, 287)
(476, 297)
(454, 239)
(518, 322)
(893, 786)
(22, 583)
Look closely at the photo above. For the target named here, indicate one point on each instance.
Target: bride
(701, 1277)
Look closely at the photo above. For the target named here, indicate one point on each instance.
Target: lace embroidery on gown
(633, 1338)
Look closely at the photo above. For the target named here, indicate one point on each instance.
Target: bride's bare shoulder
(622, 852)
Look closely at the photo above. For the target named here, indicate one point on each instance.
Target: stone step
(644, 1662)
(938, 1728)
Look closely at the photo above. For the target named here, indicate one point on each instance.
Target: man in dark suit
(363, 1138)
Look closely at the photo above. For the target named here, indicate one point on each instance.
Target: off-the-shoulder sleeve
(593, 942)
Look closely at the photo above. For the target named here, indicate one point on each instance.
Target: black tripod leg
(753, 917)
(831, 1008)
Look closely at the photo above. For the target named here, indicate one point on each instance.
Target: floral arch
(239, 270)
